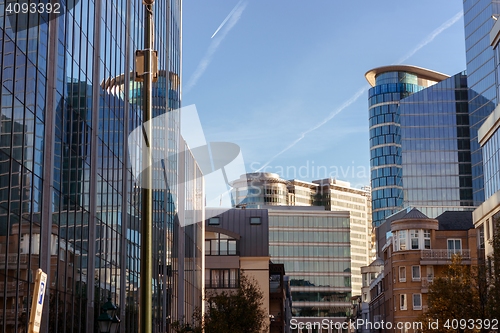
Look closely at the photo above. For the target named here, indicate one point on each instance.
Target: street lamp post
(108, 321)
(145, 300)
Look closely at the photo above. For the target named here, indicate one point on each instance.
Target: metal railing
(426, 281)
(444, 254)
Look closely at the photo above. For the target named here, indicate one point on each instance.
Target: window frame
(403, 302)
(215, 218)
(427, 237)
(417, 307)
(413, 278)
(454, 250)
(401, 277)
(414, 235)
(402, 236)
(255, 218)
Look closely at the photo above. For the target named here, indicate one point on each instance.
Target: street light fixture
(146, 75)
(108, 321)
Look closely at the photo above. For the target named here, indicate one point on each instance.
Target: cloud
(231, 20)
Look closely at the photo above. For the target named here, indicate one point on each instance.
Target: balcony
(426, 281)
(443, 256)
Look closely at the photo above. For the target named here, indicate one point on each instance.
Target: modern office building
(479, 17)
(419, 141)
(336, 195)
(487, 215)
(257, 189)
(314, 245)
(69, 203)
(269, 189)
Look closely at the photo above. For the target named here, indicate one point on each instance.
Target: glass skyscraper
(69, 203)
(419, 141)
(435, 144)
(390, 84)
(482, 80)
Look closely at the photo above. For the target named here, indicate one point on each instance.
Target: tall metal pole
(145, 304)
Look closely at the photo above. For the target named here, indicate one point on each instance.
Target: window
(414, 239)
(221, 245)
(214, 221)
(480, 231)
(454, 247)
(224, 278)
(402, 302)
(402, 274)
(430, 273)
(415, 273)
(427, 239)
(417, 301)
(487, 230)
(255, 220)
(402, 240)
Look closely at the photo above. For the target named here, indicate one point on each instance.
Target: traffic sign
(37, 302)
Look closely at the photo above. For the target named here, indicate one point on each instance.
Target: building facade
(69, 203)
(419, 141)
(419, 250)
(487, 215)
(263, 189)
(314, 246)
(236, 243)
(482, 79)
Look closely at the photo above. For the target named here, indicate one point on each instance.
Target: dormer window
(214, 221)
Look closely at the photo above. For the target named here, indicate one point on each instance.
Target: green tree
(455, 295)
(238, 311)
(493, 272)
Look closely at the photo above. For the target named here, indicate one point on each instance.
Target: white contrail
(227, 18)
(432, 35)
(347, 103)
(360, 92)
(231, 20)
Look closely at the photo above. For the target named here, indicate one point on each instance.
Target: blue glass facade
(68, 200)
(389, 88)
(435, 144)
(491, 157)
(419, 141)
(481, 79)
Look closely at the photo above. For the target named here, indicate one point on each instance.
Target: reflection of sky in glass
(435, 141)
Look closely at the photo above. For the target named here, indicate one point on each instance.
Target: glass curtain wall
(315, 250)
(68, 200)
(435, 141)
(478, 22)
(385, 140)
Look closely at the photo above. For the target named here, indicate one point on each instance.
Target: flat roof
(421, 72)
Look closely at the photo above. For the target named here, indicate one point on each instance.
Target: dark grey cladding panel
(254, 239)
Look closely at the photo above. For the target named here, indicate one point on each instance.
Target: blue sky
(278, 69)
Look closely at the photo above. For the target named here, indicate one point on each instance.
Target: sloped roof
(396, 216)
(451, 220)
(414, 214)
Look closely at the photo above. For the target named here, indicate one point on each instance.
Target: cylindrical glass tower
(390, 84)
